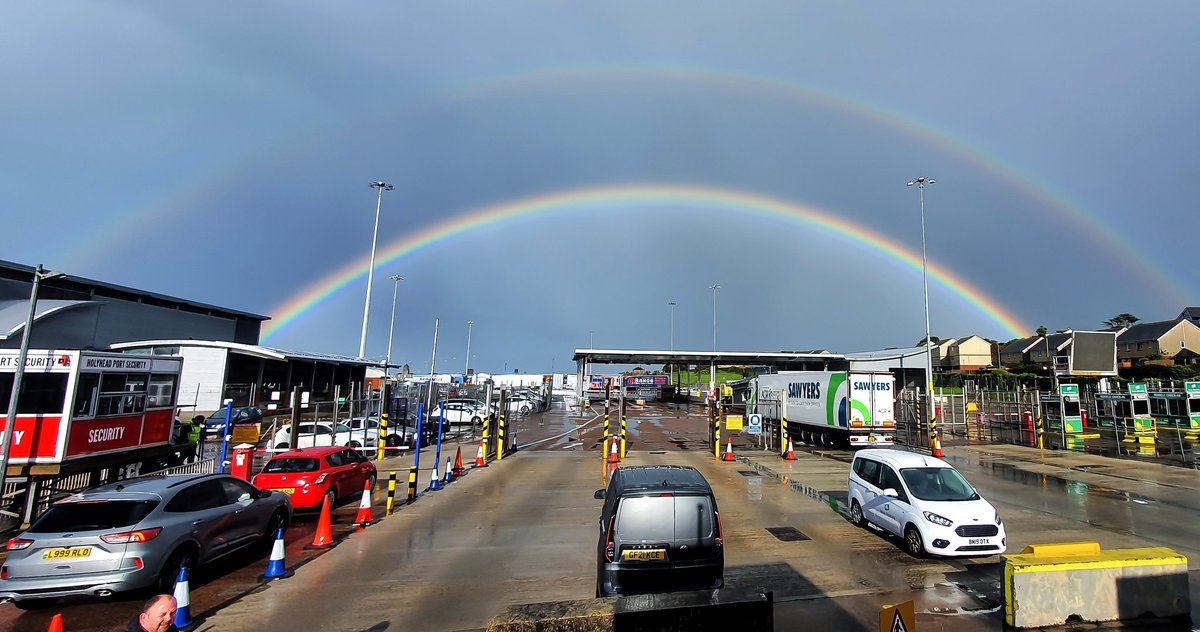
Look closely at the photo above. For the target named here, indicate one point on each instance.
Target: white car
(321, 433)
(459, 413)
(365, 430)
(925, 501)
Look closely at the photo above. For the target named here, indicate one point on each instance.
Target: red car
(309, 475)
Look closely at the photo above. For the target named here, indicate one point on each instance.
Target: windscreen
(92, 516)
(937, 484)
(288, 465)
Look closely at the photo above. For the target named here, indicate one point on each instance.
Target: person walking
(158, 615)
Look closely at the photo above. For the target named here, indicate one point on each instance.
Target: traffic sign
(754, 423)
(901, 617)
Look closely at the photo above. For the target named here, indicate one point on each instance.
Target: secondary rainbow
(636, 196)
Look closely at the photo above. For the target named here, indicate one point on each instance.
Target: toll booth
(1141, 423)
(1169, 409)
(1192, 389)
(1062, 412)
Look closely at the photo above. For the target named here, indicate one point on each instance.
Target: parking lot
(524, 530)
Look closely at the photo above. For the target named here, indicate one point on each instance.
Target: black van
(659, 531)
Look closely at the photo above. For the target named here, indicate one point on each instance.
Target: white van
(925, 501)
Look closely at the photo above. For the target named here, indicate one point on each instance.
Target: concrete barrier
(1056, 584)
(703, 610)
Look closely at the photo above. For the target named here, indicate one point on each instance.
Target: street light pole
(920, 182)
(712, 369)
(672, 304)
(362, 341)
(396, 279)
(590, 339)
(467, 369)
(38, 275)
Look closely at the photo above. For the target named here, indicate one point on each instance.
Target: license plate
(978, 541)
(285, 490)
(67, 552)
(644, 554)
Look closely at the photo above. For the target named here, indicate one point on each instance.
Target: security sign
(754, 423)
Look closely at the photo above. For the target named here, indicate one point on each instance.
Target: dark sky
(221, 152)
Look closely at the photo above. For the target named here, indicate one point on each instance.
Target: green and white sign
(1068, 389)
(1137, 387)
(1191, 387)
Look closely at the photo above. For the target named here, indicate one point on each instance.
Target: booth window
(122, 393)
(161, 392)
(87, 390)
(41, 393)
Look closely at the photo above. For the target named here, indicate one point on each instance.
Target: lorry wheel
(824, 439)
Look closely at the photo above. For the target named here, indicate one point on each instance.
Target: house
(1017, 351)
(968, 354)
(1050, 347)
(1191, 314)
(1156, 340)
(1187, 356)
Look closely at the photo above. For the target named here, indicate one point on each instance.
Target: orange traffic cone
(480, 460)
(728, 456)
(457, 470)
(364, 516)
(55, 624)
(790, 455)
(323, 538)
(937, 447)
(613, 457)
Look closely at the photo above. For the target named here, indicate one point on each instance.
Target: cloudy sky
(566, 167)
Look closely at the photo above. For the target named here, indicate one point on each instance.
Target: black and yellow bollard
(783, 437)
(391, 495)
(379, 452)
(1040, 433)
(501, 433)
(623, 425)
(412, 484)
(716, 434)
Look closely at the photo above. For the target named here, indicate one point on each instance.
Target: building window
(1129, 346)
(1139, 346)
(1181, 345)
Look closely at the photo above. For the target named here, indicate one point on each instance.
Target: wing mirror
(891, 493)
(264, 493)
(599, 495)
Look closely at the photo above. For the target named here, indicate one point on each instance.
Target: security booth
(1112, 409)
(1192, 389)
(1169, 409)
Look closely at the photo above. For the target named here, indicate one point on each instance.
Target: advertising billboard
(1093, 353)
(646, 380)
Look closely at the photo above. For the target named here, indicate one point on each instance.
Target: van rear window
(664, 518)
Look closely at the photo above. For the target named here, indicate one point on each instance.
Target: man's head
(158, 614)
(198, 419)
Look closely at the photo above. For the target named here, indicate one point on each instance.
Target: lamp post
(590, 339)
(672, 304)
(712, 368)
(362, 341)
(396, 279)
(920, 183)
(467, 369)
(39, 274)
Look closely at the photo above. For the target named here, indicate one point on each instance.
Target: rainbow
(635, 195)
(134, 219)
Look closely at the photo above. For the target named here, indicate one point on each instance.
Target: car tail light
(16, 544)
(320, 479)
(3, 572)
(137, 563)
(666, 495)
(720, 531)
(610, 548)
(129, 537)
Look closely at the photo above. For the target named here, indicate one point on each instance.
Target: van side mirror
(599, 495)
(891, 493)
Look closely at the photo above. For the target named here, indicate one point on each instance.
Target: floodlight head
(911, 182)
(396, 277)
(380, 184)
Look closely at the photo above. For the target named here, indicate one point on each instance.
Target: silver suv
(137, 534)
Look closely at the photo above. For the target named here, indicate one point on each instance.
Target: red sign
(102, 435)
(36, 436)
(158, 426)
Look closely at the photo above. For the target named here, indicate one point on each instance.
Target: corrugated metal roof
(271, 353)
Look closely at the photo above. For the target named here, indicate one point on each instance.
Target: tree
(1041, 331)
(1121, 320)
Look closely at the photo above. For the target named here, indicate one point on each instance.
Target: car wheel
(332, 497)
(913, 542)
(391, 441)
(524, 410)
(856, 514)
(371, 482)
(170, 570)
(278, 521)
(353, 444)
(35, 604)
